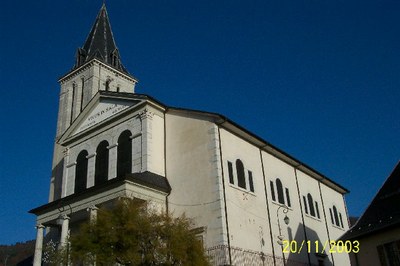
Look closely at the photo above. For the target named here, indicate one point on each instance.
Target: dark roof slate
(100, 44)
(383, 212)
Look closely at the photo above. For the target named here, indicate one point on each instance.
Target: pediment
(102, 110)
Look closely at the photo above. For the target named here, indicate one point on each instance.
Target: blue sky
(318, 79)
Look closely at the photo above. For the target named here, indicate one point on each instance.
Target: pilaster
(146, 118)
(112, 161)
(91, 168)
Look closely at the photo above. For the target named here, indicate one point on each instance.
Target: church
(252, 203)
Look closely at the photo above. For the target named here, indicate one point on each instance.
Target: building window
(124, 154)
(279, 188)
(271, 184)
(341, 220)
(240, 174)
(280, 192)
(239, 177)
(73, 101)
(101, 167)
(317, 209)
(330, 212)
(336, 217)
(81, 171)
(311, 204)
(305, 204)
(288, 197)
(82, 92)
(251, 181)
(230, 172)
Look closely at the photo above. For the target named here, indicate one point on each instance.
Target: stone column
(64, 230)
(37, 260)
(92, 213)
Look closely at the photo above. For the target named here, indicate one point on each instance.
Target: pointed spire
(100, 44)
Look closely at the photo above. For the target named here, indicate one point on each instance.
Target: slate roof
(383, 212)
(100, 44)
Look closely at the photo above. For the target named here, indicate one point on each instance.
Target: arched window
(101, 167)
(311, 204)
(81, 171)
(240, 174)
(124, 154)
(279, 188)
(335, 214)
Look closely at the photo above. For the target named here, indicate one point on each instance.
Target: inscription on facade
(100, 113)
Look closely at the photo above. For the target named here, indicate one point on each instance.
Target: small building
(378, 229)
(253, 204)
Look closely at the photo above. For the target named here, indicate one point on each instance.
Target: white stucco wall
(194, 173)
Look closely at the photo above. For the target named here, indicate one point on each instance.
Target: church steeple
(100, 44)
(98, 68)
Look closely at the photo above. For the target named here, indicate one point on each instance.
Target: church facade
(252, 203)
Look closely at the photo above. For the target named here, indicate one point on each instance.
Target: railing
(219, 256)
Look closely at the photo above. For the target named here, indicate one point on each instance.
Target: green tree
(131, 233)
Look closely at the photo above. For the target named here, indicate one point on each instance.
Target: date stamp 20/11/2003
(332, 246)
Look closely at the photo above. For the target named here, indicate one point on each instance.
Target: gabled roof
(100, 44)
(383, 212)
(217, 118)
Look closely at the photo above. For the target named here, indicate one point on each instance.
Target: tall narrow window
(317, 209)
(305, 204)
(124, 154)
(82, 92)
(311, 204)
(240, 174)
(73, 101)
(279, 188)
(230, 172)
(341, 220)
(81, 171)
(335, 215)
(330, 212)
(288, 197)
(101, 168)
(271, 184)
(251, 181)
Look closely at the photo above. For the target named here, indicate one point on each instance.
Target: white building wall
(194, 173)
(316, 228)
(277, 169)
(332, 198)
(247, 210)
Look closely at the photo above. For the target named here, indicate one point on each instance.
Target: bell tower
(97, 67)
